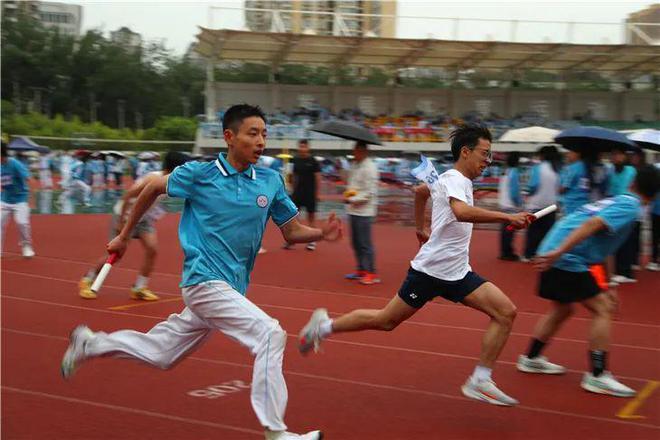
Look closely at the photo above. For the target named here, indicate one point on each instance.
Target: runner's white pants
(45, 178)
(21, 213)
(79, 185)
(212, 305)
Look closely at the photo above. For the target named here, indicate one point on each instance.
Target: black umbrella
(595, 139)
(347, 130)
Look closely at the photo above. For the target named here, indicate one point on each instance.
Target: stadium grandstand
(410, 118)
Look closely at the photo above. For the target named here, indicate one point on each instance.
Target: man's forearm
(143, 203)
(303, 234)
(585, 231)
(420, 210)
(470, 214)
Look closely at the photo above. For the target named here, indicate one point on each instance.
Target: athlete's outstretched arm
(471, 214)
(296, 232)
(147, 197)
(590, 227)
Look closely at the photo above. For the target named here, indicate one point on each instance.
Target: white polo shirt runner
(446, 254)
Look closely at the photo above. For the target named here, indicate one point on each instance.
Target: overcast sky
(175, 22)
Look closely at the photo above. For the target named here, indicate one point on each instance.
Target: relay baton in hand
(537, 215)
(105, 270)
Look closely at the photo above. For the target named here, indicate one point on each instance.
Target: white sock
(482, 373)
(141, 282)
(325, 328)
(91, 274)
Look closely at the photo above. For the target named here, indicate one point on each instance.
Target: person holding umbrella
(361, 199)
(584, 179)
(621, 177)
(361, 195)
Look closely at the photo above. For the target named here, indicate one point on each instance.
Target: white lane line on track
(389, 387)
(137, 411)
(330, 341)
(326, 292)
(298, 309)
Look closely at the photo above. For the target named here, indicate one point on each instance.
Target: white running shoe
(311, 246)
(635, 267)
(622, 280)
(606, 384)
(539, 364)
(28, 252)
(310, 335)
(75, 354)
(486, 391)
(655, 267)
(285, 435)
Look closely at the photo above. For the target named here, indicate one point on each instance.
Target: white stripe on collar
(221, 168)
(254, 174)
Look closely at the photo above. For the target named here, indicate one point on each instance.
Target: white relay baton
(105, 270)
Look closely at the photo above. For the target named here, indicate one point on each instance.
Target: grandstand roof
(281, 48)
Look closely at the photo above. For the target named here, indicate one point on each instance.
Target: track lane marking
(391, 388)
(630, 410)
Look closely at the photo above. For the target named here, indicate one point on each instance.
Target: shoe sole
(67, 373)
(483, 398)
(598, 390)
(304, 346)
(530, 370)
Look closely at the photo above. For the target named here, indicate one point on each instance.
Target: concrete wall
(555, 104)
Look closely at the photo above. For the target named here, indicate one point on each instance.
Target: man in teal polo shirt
(227, 205)
(571, 258)
(15, 194)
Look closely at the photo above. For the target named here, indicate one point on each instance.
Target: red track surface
(371, 385)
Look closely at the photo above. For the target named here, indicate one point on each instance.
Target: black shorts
(419, 288)
(305, 201)
(567, 287)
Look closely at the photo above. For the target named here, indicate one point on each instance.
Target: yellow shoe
(85, 286)
(143, 294)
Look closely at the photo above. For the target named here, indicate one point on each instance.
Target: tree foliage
(95, 79)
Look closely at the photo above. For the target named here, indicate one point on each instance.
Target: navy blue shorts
(419, 288)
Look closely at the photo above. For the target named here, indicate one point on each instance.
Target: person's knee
(273, 337)
(150, 251)
(507, 315)
(386, 323)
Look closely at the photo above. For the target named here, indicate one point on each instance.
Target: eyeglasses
(487, 154)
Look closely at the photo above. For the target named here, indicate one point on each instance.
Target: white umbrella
(530, 134)
(648, 138)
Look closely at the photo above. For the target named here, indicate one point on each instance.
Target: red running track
(371, 385)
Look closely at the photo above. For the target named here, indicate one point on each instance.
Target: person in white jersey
(542, 191)
(441, 267)
(45, 176)
(143, 231)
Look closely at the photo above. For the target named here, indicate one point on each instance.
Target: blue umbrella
(594, 138)
(24, 143)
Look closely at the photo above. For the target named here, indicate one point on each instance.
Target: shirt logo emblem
(262, 201)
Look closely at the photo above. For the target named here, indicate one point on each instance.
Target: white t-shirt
(446, 254)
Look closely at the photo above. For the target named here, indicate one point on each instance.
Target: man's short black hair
(513, 159)
(362, 145)
(647, 181)
(235, 115)
(467, 135)
(303, 141)
(173, 159)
